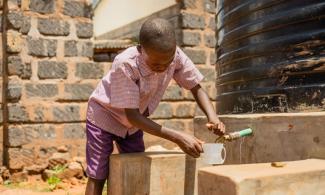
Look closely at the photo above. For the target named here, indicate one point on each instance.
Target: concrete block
(191, 38)
(24, 134)
(52, 70)
(53, 27)
(74, 131)
(16, 136)
(173, 92)
(84, 29)
(89, 70)
(208, 72)
(213, 58)
(17, 67)
(17, 113)
(176, 124)
(198, 56)
(77, 91)
(70, 48)
(164, 110)
(297, 177)
(209, 6)
(212, 22)
(45, 90)
(39, 131)
(192, 21)
(14, 89)
(26, 25)
(39, 114)
(41, 47)
(87, 49)
(210, 40)
(277, 137)
(15, 19)
(185, 110)
(67, 113)
(44, 7)
(77, 9)
(149, 173)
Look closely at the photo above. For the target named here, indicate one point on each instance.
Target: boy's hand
(216, 126)
(190, 144)
(203, 100)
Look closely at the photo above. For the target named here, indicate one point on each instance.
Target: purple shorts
(100, 146)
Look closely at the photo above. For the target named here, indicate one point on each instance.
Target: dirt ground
(74, 191)
(38, 187)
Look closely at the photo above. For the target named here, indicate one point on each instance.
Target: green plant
(59, 169)
(7, 183)
(53, 182)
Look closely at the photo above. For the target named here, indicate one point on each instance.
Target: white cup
(212, 153)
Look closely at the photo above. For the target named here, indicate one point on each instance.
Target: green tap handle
(245, 132)
(234, 135)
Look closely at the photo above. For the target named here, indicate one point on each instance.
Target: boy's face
(158, 61)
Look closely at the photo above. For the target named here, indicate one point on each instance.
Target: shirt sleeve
(186, 74)
(124, 90)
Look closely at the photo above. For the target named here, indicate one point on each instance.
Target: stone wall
(50, 76)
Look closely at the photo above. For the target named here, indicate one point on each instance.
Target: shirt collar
(143, 67)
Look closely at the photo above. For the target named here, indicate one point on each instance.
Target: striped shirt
(132, 84)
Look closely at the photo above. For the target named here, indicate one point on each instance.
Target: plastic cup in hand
(213, 153)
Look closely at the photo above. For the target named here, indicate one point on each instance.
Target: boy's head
(158, 43)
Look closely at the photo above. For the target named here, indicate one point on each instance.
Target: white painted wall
(112, 14)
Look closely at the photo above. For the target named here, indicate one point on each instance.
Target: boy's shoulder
(128, 56)
(126, 62)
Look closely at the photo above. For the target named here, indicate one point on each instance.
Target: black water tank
(270, 56)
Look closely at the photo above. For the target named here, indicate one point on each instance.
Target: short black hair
(157, 34)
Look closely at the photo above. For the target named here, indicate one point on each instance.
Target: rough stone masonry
(50, 76)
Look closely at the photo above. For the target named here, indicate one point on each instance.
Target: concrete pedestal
(277, 137)
(297, 177)
(150, 173)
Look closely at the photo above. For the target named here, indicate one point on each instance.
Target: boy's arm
(206, 106)
(189, 144)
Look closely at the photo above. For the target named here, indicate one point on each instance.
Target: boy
(131, 91)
